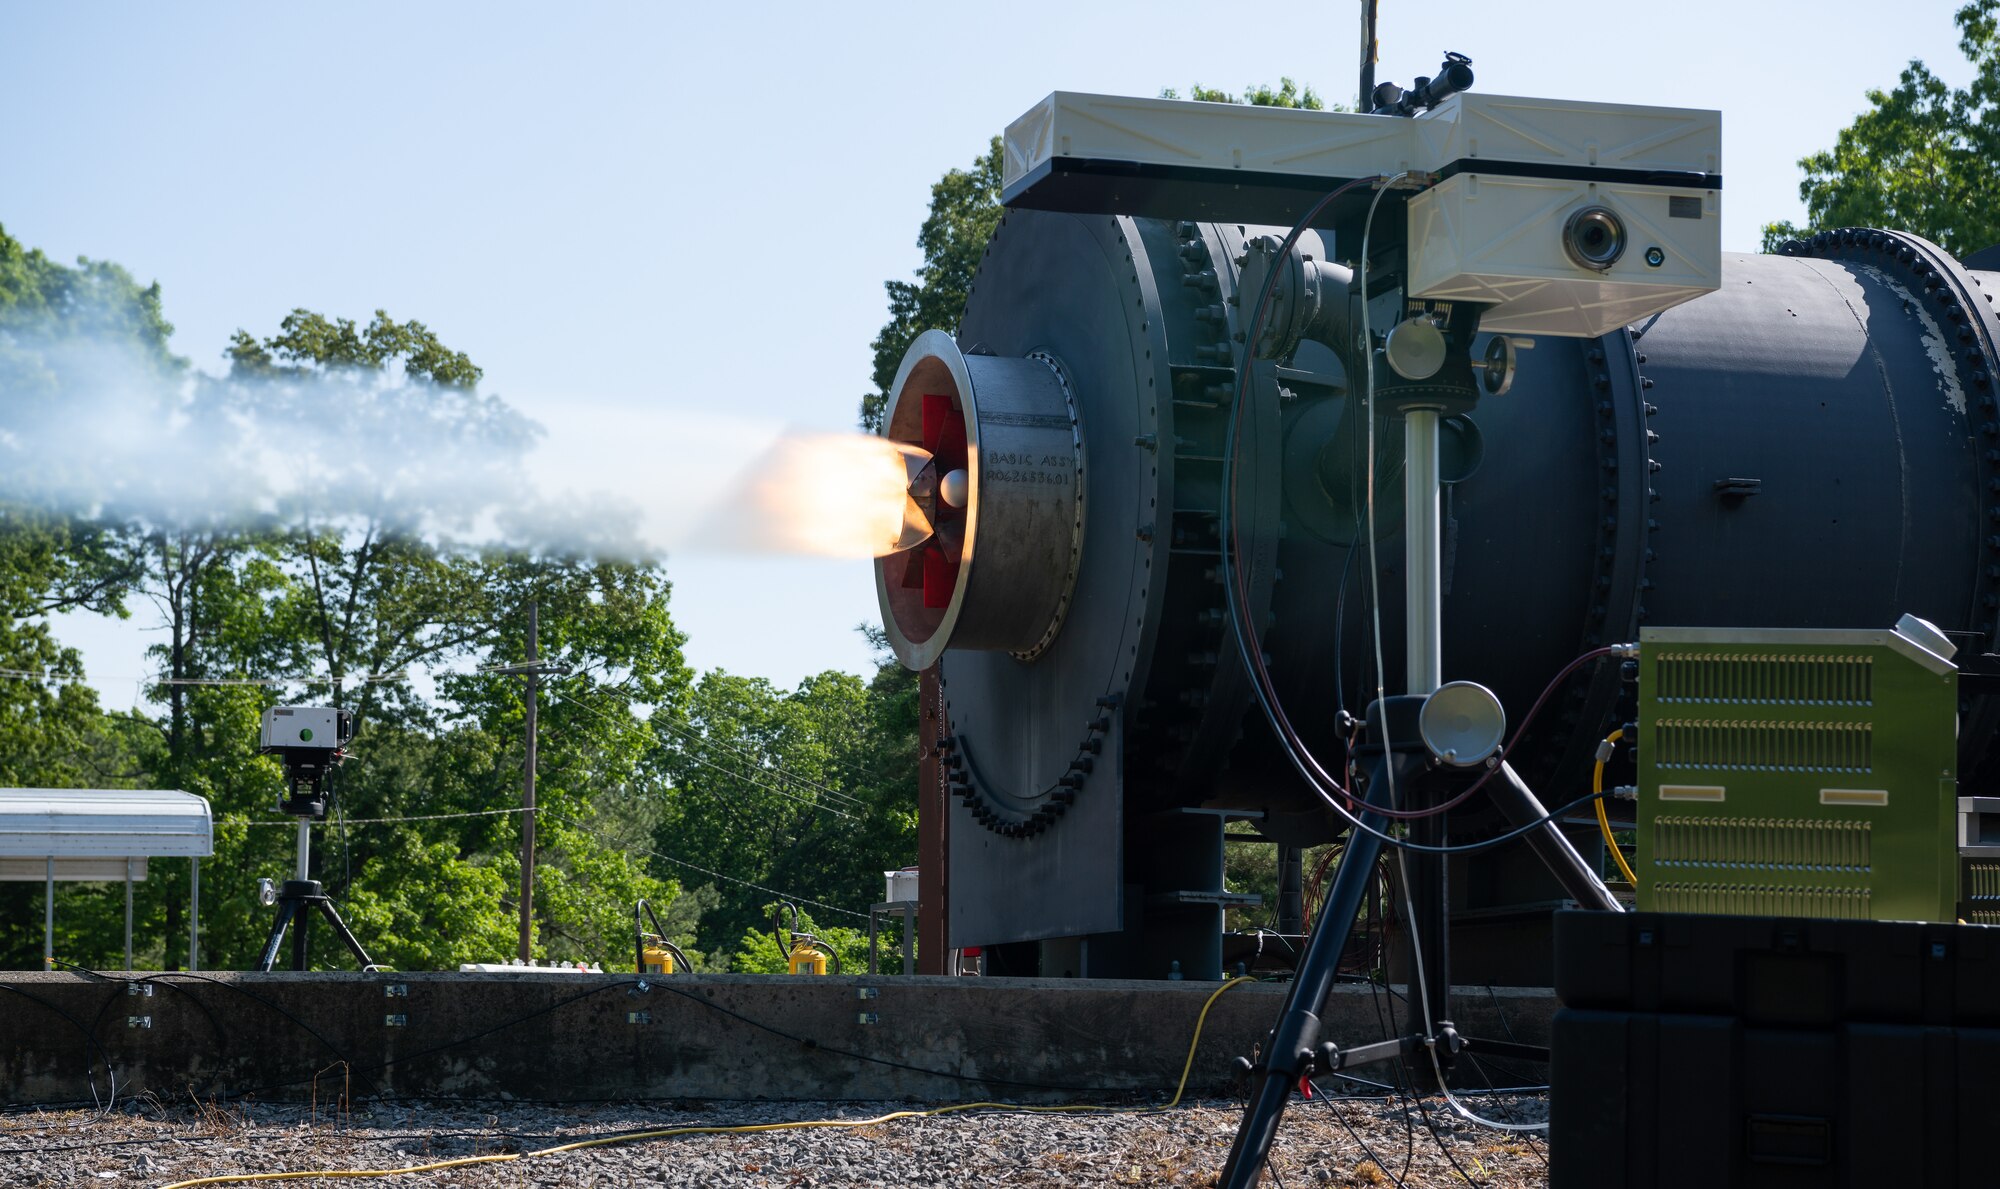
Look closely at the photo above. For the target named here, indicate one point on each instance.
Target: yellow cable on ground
(1603, 818)
(1187, 1068)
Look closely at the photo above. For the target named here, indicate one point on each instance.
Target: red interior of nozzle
(931, 566)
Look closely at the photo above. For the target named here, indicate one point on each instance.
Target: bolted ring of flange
(1624, 547)
(1950, 294)
(962, 779)
(1179, 727)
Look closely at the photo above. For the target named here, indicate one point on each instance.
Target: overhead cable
(859, 916)
(425, 817)
(770, 788)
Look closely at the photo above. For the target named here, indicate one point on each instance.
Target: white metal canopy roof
(83, 828)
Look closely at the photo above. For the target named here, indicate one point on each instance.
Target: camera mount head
(1452, 78)
(309, 741)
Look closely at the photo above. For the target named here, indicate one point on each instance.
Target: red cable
(1323, 782)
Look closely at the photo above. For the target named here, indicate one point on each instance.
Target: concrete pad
(600, 1037)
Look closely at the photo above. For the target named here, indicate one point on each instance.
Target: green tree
(964, 210)
(41, 300)
(1925, 157)
(53, 733)
(339, 594)
(1286, 94)
(807, 793)
(376, 595)
(607, 623)
(308, 343)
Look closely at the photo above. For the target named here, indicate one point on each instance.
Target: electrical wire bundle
(1330, 789)
(1334, 791)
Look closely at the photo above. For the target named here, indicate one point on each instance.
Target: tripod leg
(340, 930)
(1295, 1042)
(1427, 893)
(299, 952)
(1296, 1037)
(1518, 803)
(276, 937)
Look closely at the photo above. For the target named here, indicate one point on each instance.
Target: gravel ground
(147, 1143)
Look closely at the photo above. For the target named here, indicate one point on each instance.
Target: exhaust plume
(92, 424)
(827, 495)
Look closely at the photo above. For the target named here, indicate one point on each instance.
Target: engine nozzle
(993, 517)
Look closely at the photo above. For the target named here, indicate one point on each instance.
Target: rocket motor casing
(1807, 447)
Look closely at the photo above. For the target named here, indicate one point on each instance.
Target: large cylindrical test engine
(1806, 439)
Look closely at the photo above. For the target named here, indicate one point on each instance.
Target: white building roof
(104, 823)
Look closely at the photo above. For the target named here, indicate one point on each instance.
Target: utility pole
(532, 669)
(528, 788)
(1368, 55)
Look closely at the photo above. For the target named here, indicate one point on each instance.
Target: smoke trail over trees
(340, 516)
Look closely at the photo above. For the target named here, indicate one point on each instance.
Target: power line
(686, 733)
(770, 788)
(732, 879)
(307, 679)
(428, 817)
(691, 735)
(697, 738)
(50, 678)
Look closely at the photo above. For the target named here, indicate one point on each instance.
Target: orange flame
(825, 495)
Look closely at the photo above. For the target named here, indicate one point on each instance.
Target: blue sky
(663, 230)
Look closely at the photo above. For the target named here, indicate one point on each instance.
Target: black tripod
(296, 902)
(1295, 1049)
(1394, 760)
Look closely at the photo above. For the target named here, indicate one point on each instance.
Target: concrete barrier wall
(595, 1037)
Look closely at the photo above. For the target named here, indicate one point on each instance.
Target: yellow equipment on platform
(653, 959)
(807, 958)
(804, 953)
(652, 952)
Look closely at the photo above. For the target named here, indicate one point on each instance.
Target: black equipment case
(1764, 1052)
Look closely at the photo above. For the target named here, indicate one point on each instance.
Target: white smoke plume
(92, 425)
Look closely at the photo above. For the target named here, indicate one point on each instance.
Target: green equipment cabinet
(1799, 773)
(1979, 860)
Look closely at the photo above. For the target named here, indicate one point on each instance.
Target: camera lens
(1594, 238)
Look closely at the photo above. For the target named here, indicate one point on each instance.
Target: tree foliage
(350, 590)
(1286, 94)
(309, 341)
(1924, 158)
(94, 299)
(964, 210)
(808, 792)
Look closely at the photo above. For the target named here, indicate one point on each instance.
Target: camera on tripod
(309, 741)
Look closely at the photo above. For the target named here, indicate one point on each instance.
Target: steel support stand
(1395, 769)
(296, 904)
(1290, 917)
(194, 914)
(297, 901)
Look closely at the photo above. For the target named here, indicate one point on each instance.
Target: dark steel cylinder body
(1807, 447)
(1815, 445)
